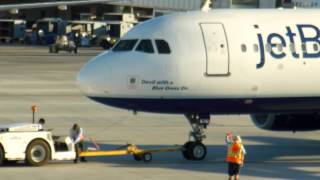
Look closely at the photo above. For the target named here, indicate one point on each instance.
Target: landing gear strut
(194, 149)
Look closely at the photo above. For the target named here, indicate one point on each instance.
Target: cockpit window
(163, 46)
(146, 46)
(125, 45)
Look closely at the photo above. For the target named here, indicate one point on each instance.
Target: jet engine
(287, 122)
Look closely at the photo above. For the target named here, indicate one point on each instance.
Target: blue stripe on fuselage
(216, 106)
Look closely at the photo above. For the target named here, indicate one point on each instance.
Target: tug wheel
(1, 155)
(38, 153)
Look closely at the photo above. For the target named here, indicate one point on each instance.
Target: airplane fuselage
(220, 62)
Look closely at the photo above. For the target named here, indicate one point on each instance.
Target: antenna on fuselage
(206, 5)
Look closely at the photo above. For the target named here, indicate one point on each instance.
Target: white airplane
(259, 62)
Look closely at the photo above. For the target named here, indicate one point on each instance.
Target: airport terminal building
(142, 8)
(100, 18)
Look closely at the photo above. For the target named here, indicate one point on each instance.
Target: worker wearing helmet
(235, 156)
(76, 134)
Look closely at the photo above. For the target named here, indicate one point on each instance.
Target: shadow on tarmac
(46, 55)
(281, 158)
(274, 158)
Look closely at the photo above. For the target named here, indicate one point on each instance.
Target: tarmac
(30, 75)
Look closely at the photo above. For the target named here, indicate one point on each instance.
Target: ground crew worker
(235, 156)
(76, 134)
(77, 41)
(41, 123)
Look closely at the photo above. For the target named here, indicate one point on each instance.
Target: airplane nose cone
(94, 77)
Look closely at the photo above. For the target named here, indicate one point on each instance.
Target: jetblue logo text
(308, 34)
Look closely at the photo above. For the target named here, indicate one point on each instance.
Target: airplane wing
(9, 7)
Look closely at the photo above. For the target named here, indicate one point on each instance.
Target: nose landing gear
(194, 149)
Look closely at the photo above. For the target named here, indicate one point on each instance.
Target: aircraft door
(216, 46)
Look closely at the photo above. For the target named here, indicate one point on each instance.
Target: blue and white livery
(259, 62)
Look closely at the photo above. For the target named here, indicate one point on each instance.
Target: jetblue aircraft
(259, 62)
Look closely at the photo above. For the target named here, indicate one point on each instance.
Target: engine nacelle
(287, 122)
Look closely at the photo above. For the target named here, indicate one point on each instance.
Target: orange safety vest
(235, 153)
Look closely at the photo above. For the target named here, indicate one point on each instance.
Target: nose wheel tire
(1, 155)
(185, 152)
(194, 151)
(38, 153)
